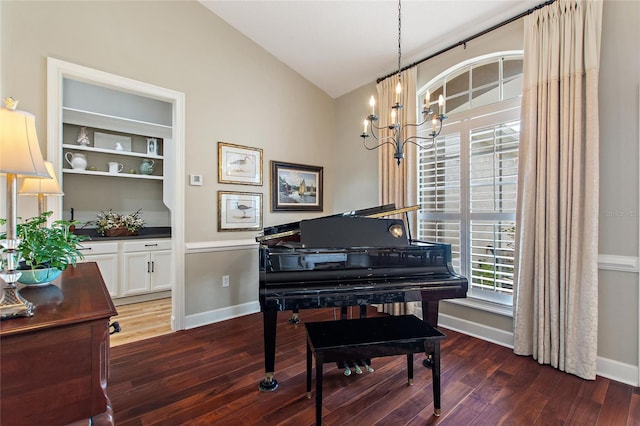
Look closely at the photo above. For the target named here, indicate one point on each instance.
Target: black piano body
(350, 259)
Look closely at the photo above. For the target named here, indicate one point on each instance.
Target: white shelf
(116, 175)
(118, 124)
(111, 151)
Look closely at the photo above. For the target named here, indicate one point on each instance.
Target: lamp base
(12, 304)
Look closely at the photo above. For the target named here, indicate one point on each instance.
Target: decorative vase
(146, 166)
(77, 161)
(38, 277)
(83, 138)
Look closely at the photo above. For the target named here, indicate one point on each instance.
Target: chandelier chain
(394, 131)
(399, 38)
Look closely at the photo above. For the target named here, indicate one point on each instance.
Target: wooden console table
(54, 365)
(364, 338)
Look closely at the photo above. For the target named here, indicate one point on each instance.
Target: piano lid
(288, 231)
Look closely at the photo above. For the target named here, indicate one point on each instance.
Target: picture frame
(296, 187)
(152, 146)
(239, 164)
(239, 211)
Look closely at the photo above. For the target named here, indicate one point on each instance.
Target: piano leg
(343, 313)
(430, 316)
(269, 323)
(363, 311)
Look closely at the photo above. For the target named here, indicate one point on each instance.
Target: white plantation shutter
(467, 181)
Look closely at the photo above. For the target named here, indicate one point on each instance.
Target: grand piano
(356, 258)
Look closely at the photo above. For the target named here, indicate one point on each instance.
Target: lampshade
(19, 149)
(44, 186)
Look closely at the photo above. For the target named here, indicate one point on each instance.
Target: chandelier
(396, 127)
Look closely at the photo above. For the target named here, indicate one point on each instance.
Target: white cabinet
(146, 266)
(105, 254)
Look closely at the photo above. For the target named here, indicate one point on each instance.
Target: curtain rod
(464, 42)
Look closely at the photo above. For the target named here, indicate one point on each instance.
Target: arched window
(467, 178)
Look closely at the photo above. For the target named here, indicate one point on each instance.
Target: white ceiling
(342, 45)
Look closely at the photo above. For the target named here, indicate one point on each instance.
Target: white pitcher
(76, 161)
(115, 167)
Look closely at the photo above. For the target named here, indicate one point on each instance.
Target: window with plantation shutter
(467, 178)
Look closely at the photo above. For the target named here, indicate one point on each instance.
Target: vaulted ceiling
(342, 45)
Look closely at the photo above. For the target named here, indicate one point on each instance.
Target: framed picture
(295, 187)
(239, 164)
(152, 146)
(239, 211)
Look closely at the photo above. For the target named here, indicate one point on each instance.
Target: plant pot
(39, 276)
(119, 232)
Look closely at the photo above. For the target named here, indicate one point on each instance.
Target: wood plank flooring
(142, 320)
(209, 376)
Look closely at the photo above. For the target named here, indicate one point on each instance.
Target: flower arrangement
(112, 224)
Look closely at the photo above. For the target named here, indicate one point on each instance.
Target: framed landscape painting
(239, 211)
(239, 164)
(295, 187)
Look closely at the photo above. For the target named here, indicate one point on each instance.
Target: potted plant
(112, 224)
(45, 251)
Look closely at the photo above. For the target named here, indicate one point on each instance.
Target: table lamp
(41, 187)
(19, 156)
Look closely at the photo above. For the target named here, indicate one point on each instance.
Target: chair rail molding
(613, 262)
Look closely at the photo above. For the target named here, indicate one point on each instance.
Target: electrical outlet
(225, 281)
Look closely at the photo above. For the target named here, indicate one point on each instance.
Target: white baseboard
(611, 369)
(483, 332)
(618, 371)
(222, 314)
(128, 300)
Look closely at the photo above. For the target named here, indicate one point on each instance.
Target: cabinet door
(136, 273)
(108, 265)
(161, 270)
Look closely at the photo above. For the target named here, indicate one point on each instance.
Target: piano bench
(364, 338)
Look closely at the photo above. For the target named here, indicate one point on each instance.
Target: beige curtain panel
(397, 183)
(556, 301)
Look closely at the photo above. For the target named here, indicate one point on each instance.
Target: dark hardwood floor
(209, 375)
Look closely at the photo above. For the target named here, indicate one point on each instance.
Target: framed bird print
(295, 187)
(239, 164)
(239, 211)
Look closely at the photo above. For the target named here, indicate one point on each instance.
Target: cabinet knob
(151, 245)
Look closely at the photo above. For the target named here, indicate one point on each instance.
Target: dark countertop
(146, 232)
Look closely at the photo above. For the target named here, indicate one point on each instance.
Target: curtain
(556, 300)
(397, 183)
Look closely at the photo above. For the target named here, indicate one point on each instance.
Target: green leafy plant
(46, 247)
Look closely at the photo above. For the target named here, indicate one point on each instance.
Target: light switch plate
(195, 180)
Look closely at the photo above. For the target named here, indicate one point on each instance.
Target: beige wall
(234, 90)
(356, 169)
(619, 188)
(619, 94)
(210, 295)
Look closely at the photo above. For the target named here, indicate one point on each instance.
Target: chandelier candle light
(395, 127)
